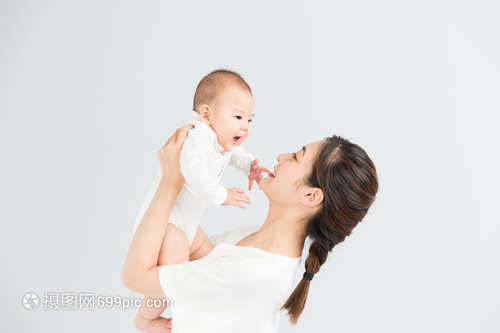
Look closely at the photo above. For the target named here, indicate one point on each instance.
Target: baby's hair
(212, 85)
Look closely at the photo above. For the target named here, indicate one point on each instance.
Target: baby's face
(232, 116)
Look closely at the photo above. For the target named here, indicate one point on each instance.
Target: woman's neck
(282, 233)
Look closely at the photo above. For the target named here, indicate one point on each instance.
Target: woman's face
(286, 184)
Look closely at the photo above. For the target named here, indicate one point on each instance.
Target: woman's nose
(281, 158)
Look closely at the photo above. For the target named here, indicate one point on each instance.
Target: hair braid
(348, 179)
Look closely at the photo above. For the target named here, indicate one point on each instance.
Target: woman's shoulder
(234, 236)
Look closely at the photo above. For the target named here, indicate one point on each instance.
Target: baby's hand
(235, 196)
(256, 173)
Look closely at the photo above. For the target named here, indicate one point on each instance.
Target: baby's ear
(206, 114)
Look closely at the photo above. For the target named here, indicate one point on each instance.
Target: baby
(223, 111)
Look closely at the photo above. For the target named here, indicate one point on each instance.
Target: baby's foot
(158, 325)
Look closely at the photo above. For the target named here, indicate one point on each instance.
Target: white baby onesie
(202, 162)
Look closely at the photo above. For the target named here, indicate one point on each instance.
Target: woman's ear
(206, 114)
(313, 197)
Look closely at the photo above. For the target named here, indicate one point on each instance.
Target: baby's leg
(175, 247)
(201, 245)
(174, 250)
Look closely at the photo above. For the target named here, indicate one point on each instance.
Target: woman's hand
(169, 156)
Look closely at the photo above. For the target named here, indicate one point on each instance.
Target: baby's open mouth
(236, 138)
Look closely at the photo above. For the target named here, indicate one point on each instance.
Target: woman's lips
(273, 174)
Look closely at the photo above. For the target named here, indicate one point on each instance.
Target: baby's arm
(197, 174)
(195, 170)
(248, 164)
(241, 160)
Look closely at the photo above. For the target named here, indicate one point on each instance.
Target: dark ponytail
(348, 179)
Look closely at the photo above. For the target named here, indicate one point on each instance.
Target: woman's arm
(140, 272)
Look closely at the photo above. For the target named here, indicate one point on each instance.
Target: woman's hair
(348, 179)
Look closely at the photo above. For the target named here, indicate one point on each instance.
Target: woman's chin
(264, 183)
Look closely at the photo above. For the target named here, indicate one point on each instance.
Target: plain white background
(90, 90)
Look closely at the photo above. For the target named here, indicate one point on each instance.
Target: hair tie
(308, 276)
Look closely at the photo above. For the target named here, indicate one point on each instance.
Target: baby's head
(224, 102)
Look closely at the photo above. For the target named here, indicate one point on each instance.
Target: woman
(321, 191)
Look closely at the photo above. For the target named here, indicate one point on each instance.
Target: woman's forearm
(146, 243)
(140, 272)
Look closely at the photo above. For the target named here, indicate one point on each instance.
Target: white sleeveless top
(233, 289)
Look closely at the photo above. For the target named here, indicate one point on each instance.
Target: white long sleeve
(241, 160)
(201, 175)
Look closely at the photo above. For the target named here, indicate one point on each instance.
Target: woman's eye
(295, 156)
(238, 117)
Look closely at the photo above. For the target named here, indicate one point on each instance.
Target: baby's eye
(249, 120)
(238, 117)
